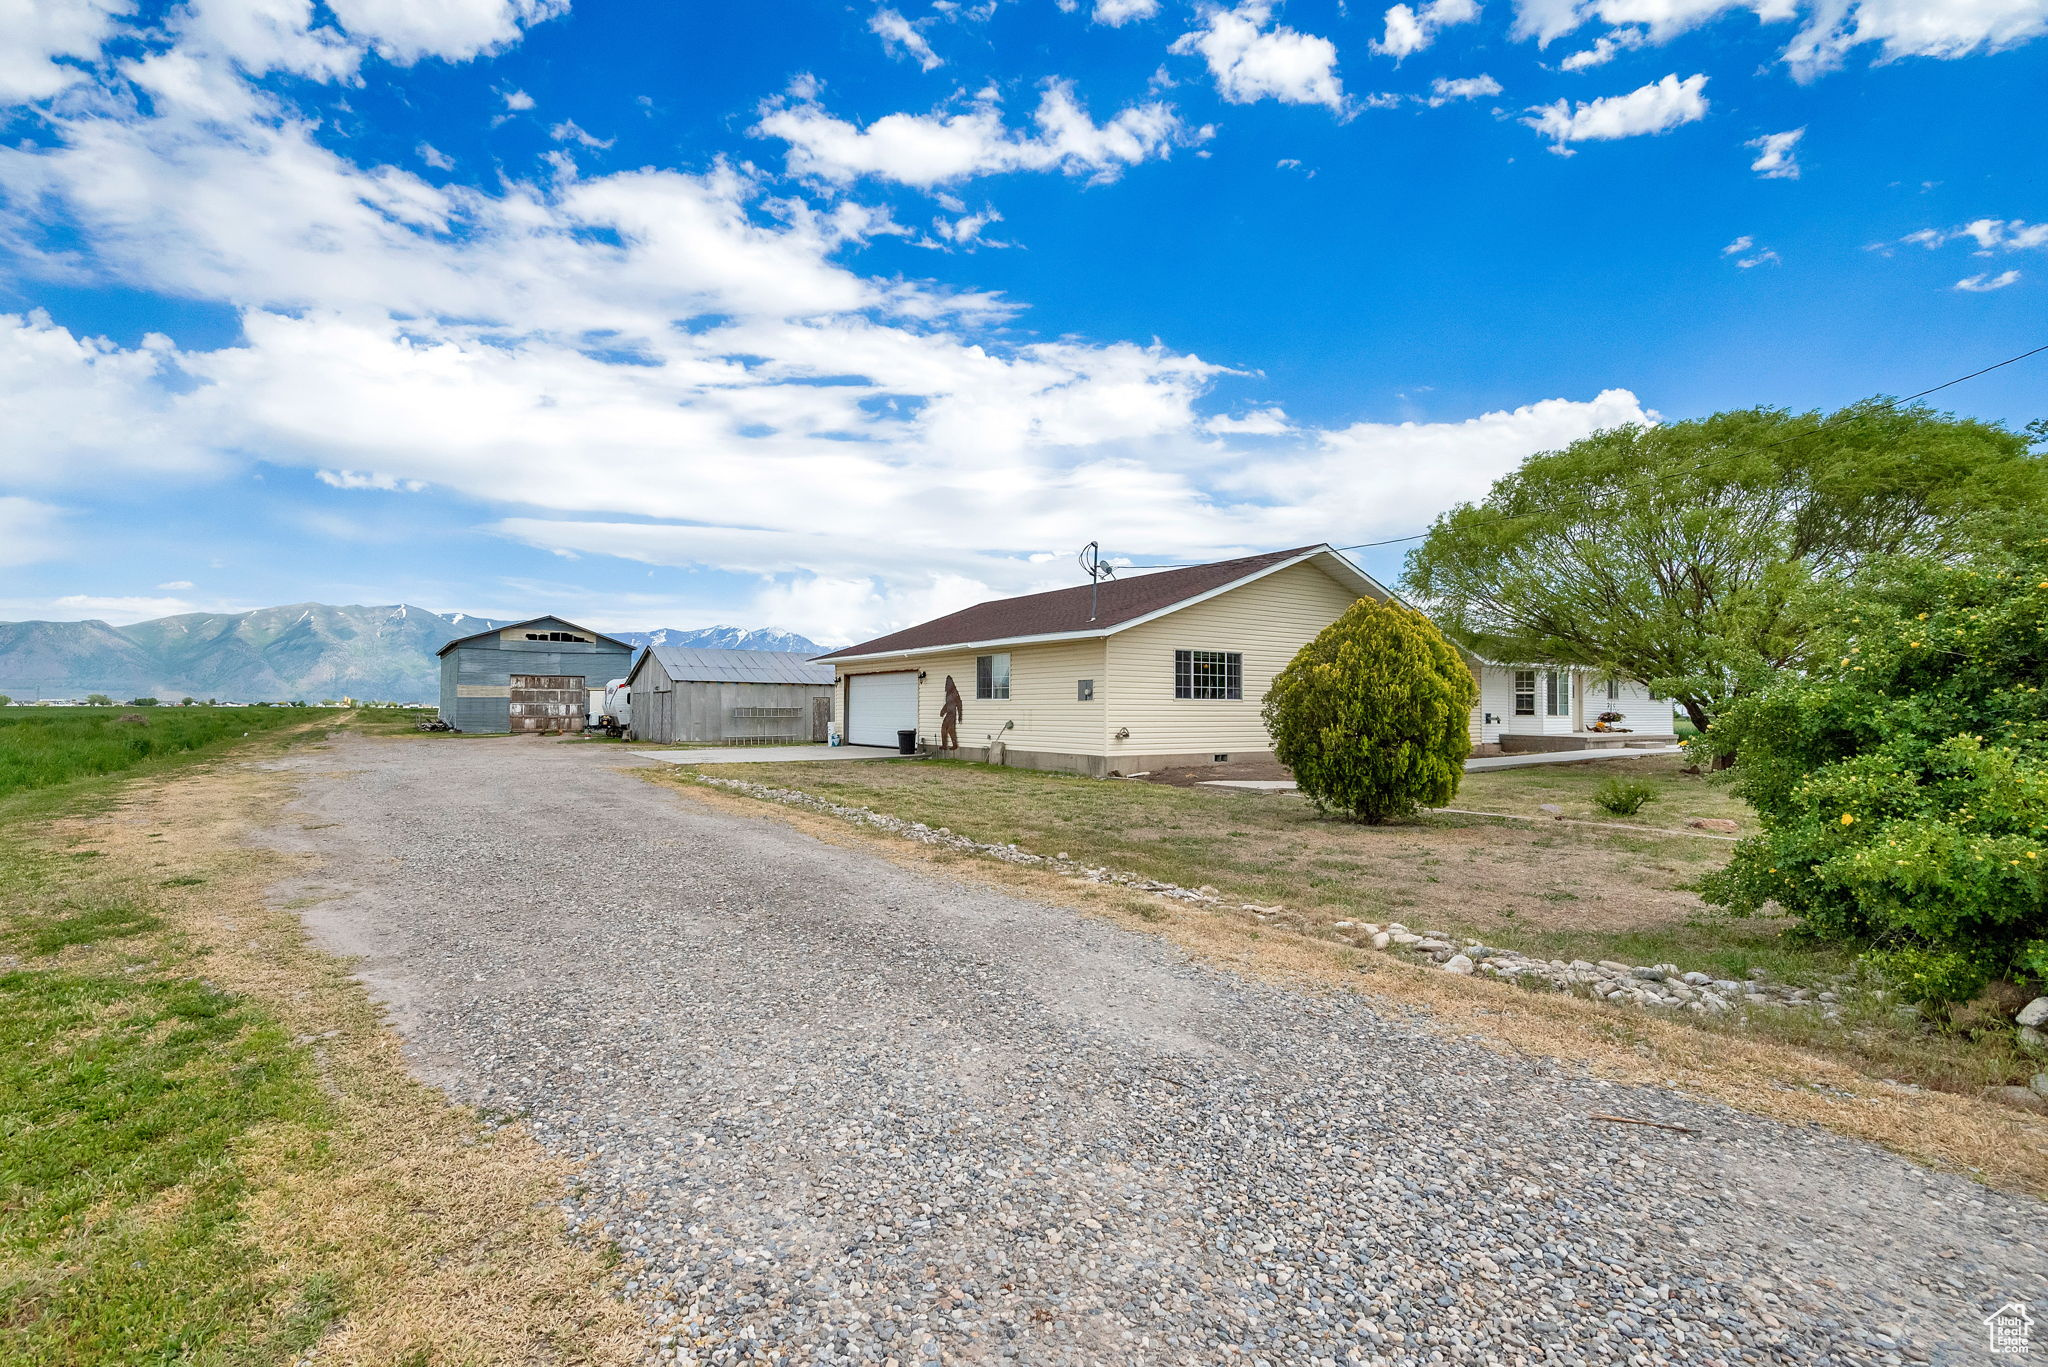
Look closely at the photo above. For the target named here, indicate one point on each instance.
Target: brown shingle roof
(1064, 610)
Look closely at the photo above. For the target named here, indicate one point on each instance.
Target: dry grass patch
(1792, 1068)
(337, 1205)
(1679, 796)
(1559, 890)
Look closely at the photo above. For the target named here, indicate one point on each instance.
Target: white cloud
(1603, 50)
(569, 131)
(1251, 62)
(1831, 28)
(668, 367)
(35, 35)
(941, 149)
(1410, 30)
(360, 479)
(122, 609)
(177, 585)
(1654, 108)
(1776, 158)
(28, 530)
(965, 229)
(1914, 28)
(1444, 91)
(1992, 236)
(1118, 12)
(435, 157)
(70, 405)
(1260, 422)
(1547, 20)
(899, 35)
(518, 101)
(1386, 479)
(1985, 283)
(405, 31)
(1748, 255)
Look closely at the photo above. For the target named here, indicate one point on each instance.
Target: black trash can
(906, 742)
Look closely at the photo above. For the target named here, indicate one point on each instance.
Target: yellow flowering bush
(1903, 800)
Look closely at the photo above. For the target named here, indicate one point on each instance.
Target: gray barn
(537, 671)
(736, 697)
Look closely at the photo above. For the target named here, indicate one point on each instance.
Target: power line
(1844, 416)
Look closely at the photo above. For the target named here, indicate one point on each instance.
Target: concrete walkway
(767, 754)
(1481, 765)
(1472, 766)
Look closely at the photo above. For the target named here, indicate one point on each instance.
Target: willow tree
(1373, 714)
(1684, 555)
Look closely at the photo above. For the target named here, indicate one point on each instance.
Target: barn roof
(1064, 614)
(562, 622)
(689, 664)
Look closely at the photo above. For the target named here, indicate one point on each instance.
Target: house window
(1557, 697)
(1613, 689)
(1525, 692)
(1084, 690)
(556, 636)
(1208, 674)
(992, 676)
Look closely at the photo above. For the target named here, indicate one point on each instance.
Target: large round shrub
(1372, 715)
(1902, 781)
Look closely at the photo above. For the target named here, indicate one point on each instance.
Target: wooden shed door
(821, 719)
(549, 702)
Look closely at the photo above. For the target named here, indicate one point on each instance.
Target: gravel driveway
(850, 1113)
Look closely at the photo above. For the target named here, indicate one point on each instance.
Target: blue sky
(834, 316)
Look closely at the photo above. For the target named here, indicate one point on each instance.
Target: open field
(42, 746)
(1558, 891)
(212, 1151)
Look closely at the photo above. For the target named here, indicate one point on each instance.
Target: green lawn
(128, 1086)
(44, 746)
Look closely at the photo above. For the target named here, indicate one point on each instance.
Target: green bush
(1624, 796)
(1372, 716)
(1902, 781)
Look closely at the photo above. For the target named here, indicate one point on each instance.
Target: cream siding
(1042, 699)
(1267, 621)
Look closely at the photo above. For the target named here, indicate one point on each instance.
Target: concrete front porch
(1511, 744)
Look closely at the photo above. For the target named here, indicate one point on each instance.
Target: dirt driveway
(852, 1113)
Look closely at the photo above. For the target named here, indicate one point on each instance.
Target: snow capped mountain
(721, 638)
(304, 651)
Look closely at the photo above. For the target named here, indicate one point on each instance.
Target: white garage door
(880, 706)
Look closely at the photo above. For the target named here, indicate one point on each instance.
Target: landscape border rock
(1651, 986)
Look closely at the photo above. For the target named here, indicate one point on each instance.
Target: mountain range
(305, 651)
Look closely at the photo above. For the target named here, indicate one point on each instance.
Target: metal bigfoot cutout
(949, 717)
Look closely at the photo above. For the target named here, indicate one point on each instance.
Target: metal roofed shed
(531, 676)
(729, 697)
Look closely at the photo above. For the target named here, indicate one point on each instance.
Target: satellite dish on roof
(1097, 570)
(1093, 565)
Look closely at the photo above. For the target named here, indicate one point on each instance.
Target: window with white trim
(1217, 674)
(1557, 697)
(1613, 689)
(992, 676)
(1525, 692)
